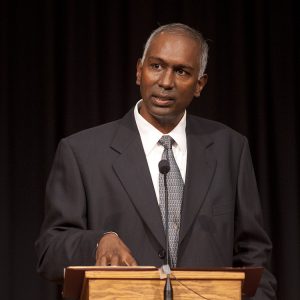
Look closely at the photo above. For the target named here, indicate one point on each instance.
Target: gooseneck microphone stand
(164, 168)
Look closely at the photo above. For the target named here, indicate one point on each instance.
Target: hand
(112, 251)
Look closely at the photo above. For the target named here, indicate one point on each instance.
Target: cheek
(187, 91)
(145, 81)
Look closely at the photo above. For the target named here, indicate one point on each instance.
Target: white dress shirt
(153, 150)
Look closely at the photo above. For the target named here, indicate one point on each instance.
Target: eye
(156, 66)
(181, 72)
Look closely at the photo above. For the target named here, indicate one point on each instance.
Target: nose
(166, 79)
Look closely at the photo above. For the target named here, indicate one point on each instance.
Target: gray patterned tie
(175, 186)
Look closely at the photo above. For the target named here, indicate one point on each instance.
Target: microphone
(164, 168)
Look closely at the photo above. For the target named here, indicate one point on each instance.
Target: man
(104, 198)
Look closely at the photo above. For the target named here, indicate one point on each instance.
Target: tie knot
(166, 141)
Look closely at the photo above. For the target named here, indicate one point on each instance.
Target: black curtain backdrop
(70, 65)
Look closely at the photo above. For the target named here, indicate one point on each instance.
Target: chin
(164, 117)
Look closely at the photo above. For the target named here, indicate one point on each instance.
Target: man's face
(168, 79)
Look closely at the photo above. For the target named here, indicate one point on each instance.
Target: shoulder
(98, 135)
(102, 134)
(226, 145)
(98, 140)
(202, 126)
(86, 145)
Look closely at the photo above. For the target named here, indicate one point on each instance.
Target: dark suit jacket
(100, 182)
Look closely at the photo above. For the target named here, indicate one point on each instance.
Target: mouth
(162, 100)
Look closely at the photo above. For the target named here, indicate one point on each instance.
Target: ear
(200, 85)
(139, 66)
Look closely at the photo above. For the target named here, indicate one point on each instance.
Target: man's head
(170, 74)
(182, 29)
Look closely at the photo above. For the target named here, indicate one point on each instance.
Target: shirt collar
(150, 135)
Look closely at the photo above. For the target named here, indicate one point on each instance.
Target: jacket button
(162, 254)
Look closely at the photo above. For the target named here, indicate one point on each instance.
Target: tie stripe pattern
(175, 186)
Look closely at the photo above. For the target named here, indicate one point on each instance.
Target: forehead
(175, 48)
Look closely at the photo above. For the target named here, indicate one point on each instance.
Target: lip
(162, 100)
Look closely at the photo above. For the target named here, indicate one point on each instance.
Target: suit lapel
(132, 170)
(199, 173)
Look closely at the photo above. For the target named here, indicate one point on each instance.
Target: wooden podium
(93, 283)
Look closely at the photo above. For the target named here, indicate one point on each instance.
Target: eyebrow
(178, 66)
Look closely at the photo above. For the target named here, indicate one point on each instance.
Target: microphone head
(164, 166)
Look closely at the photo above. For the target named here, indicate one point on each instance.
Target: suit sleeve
(252, 245)
(65, 239)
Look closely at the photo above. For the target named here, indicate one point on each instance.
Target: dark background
(69, 65)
